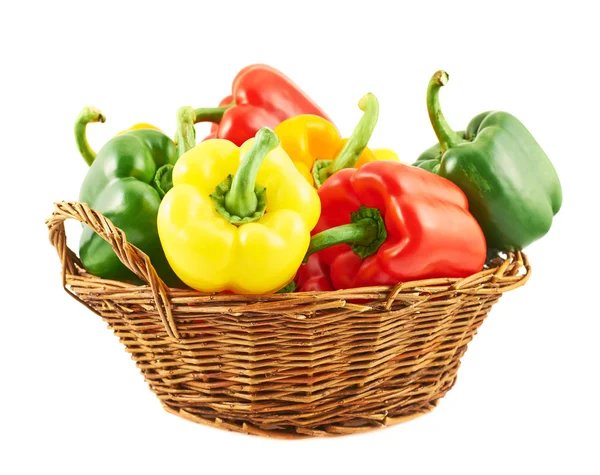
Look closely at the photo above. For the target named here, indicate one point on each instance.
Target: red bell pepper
(200, 116)
(261, 96)
(387, 222)
(313, 275)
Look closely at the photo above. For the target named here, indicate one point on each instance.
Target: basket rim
(504, 273)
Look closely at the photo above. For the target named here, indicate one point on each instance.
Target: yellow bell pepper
(139, 126)
(385, 154)
(237, 219)
(318, 151)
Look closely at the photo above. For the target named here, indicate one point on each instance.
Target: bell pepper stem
(163, 179)
(210, 114)
(447, 137)
(362, 232)
(185, 133)
(359, 139)
(242, 199)
(88, 114)
(366, 233)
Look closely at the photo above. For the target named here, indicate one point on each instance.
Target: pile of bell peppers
(276, 199)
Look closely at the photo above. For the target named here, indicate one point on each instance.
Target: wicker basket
(288, 365)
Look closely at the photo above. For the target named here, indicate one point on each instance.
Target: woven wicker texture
(288, 365)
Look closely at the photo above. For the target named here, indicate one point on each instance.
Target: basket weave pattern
(288, 365)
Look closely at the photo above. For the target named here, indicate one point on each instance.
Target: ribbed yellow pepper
(318, 151)
(237, 219)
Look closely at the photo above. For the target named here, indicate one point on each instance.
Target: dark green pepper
(126, 182)
(512, 187)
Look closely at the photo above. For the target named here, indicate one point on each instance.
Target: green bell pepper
(126, 182)
(512, 187)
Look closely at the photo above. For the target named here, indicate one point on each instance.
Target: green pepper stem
(359, 139)
(210, 114)
(447, 137)
(185, 133)
(365, 233)
(88, 114)
(241, 200)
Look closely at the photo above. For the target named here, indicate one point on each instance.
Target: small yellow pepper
(237, 219)
(318, 151)
(139, 126)
(385, 154)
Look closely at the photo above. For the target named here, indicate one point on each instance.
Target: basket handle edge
(131, 256)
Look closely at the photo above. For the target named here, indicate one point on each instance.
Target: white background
(73, 402)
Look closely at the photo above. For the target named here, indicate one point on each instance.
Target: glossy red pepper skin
(214, 128)
(313, 276)
(430, 232)
(263, 97)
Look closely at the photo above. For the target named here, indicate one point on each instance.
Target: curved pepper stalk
(355, 145)
(88, 115)
(512, 187)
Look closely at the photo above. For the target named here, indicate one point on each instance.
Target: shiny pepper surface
(317, 149)
(237, 219)
(261, 96)
(512, 187)
(387, 223)
(125, 183)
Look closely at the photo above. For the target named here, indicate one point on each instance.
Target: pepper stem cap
(163, 179)
(239, 198)
(365, 234)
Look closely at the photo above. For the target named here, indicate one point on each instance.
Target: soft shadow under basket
(288, 365)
